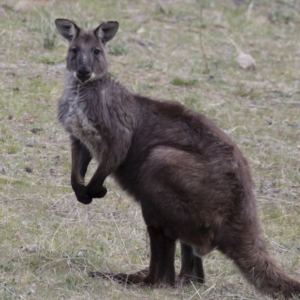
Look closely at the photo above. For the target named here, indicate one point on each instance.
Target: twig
(201, 40)
(238, 49)
(249, 11)
(196, 293)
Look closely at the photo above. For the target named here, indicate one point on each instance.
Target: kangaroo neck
(92, 85)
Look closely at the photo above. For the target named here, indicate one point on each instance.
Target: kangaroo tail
(249, 253)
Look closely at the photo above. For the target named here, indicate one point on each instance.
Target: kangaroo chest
(77, 123)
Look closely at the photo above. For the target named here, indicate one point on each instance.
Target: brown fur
(190, 178)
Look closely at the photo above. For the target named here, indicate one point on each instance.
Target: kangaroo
(191, 180)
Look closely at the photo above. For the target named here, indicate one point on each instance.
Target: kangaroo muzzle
(84, 73)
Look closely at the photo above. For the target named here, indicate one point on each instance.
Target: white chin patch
(93, 76)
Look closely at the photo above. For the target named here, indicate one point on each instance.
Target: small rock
(80, 254)
(141, 30)
(30, 142)
(30, 248)
(246, 61)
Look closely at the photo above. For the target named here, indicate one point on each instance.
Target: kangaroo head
(86, 57)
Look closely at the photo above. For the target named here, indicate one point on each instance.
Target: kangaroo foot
(187, 278)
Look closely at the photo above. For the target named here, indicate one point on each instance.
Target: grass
(49, 241)
(183, 82)
(117, 49)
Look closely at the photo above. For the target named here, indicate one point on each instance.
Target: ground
(185, 50)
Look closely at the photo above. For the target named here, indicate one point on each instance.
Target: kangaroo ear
(106, 31)
(67, 28)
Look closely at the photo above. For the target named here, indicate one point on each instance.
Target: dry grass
(48, 240)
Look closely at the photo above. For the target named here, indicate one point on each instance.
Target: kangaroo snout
(83, 73)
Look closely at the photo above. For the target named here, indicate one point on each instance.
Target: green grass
(48, 241)
(183, 82)
(116, 49)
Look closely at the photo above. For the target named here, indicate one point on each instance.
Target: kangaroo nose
(83, 73)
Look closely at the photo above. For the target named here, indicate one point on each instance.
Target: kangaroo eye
(96, 51)
(74, 50)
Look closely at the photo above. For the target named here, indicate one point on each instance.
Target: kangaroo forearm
(81, 158)
(76, 177)
(85, 158)
(95, 188)
(102, 171)
(107, 166)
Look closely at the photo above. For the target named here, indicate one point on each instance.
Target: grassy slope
(47, 239)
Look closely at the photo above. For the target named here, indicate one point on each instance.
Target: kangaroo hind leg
(161, 270)
(191, 266)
